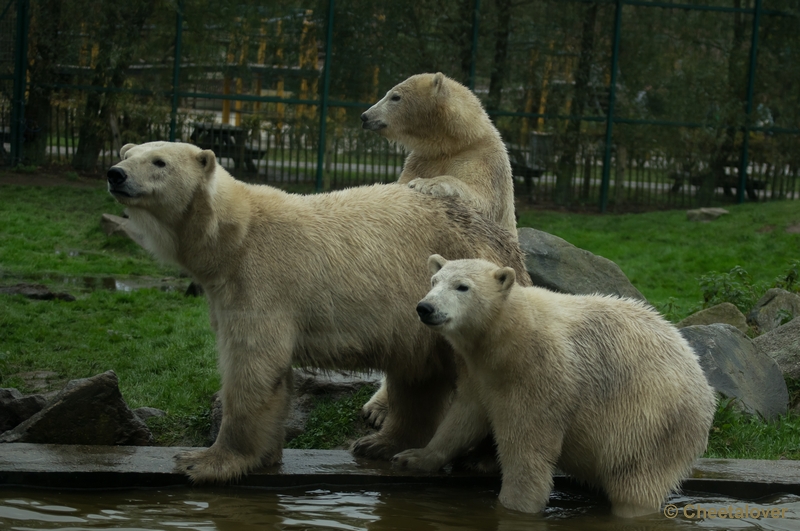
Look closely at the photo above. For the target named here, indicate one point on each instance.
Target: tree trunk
(500, 53)
(37, 126)
(566, 162)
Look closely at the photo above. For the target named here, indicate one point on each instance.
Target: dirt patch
(52, 176)
(793, 229)
(766, 229)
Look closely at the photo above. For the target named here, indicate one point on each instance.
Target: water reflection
(421, 508)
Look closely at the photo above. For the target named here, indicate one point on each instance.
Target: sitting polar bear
(601, 387)
(322, 280)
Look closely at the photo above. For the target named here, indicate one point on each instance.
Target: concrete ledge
(109, 467)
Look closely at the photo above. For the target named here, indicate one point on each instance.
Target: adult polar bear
(454, 150)
(328, 280)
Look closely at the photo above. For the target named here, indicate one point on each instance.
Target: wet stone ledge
(107, 467)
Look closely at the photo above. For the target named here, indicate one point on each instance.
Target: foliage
(333, 422)
(735, 287)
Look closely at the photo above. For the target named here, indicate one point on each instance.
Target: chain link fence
(614, 104)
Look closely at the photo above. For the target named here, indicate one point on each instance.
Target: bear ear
(435, 263)
(506, 277)
(439, 87)
(125, 149)
(208, 161)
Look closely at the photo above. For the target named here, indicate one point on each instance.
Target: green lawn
(161, 346)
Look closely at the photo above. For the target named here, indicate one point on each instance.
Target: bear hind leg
(415, 410)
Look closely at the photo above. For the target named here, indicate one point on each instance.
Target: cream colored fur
(454, 150)
(602, 387)
(326, 280)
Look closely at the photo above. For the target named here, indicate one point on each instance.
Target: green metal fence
(574, 87)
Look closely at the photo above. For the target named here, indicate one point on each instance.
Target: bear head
(161, 177)
(465, 295)
(428, 112)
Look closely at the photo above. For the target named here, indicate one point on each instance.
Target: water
(418, 508)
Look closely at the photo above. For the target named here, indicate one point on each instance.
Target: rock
(86, 411)
(783, 345)
(308, 384)
(144, 413)
(776, 307)
(705, 214)
(16, 408)
(736, 369)
(35, 291)
(558, 265)
(116, 225)
(725, 313)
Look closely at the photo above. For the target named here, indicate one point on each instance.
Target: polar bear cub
(601, 387)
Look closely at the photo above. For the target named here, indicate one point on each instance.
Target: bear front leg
(255, 403)
(529, 449)
(465, 425)
(441, 186)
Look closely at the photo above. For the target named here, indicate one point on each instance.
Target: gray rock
(725, 313)
(16, 408)
(144, 413)
(558, 265)
(35, 291)
(705, 214)
(773, 309)
(86, 411)
(736, 369)
(783, 346)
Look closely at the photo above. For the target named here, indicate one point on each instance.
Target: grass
(161, 346)
(664, 255)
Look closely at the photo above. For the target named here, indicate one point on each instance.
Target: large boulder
(86, 411)
(725, 313)
(736, 369)
(783, 346)
(556, 264)
(776, 307)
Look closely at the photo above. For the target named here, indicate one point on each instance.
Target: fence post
(612, 94)
(176, 72)
(323, 104)
(476, 18)
(20, 81)
(751, 78)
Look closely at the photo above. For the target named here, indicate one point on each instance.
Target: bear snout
(427, 313)
(116, 176)
(364, 117)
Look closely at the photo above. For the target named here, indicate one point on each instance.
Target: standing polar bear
(454, 151)
(322, 280)
(602, 387)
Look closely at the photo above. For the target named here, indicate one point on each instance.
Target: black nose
(425, 309)
(364, 117)
(116, 176)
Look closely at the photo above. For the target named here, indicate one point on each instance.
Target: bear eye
(395, 97)
(462, 287)
(160, 163)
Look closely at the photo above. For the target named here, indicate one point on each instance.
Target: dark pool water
(420, 508)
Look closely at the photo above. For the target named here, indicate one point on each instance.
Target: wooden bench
(225, 140)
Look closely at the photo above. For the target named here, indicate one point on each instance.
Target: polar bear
(454, 150)
(600, 386)
(321, 280)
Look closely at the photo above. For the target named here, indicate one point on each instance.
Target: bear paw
(418, 459)
(374, 446)
(433, 187)
(374, 412)
(214, 465)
